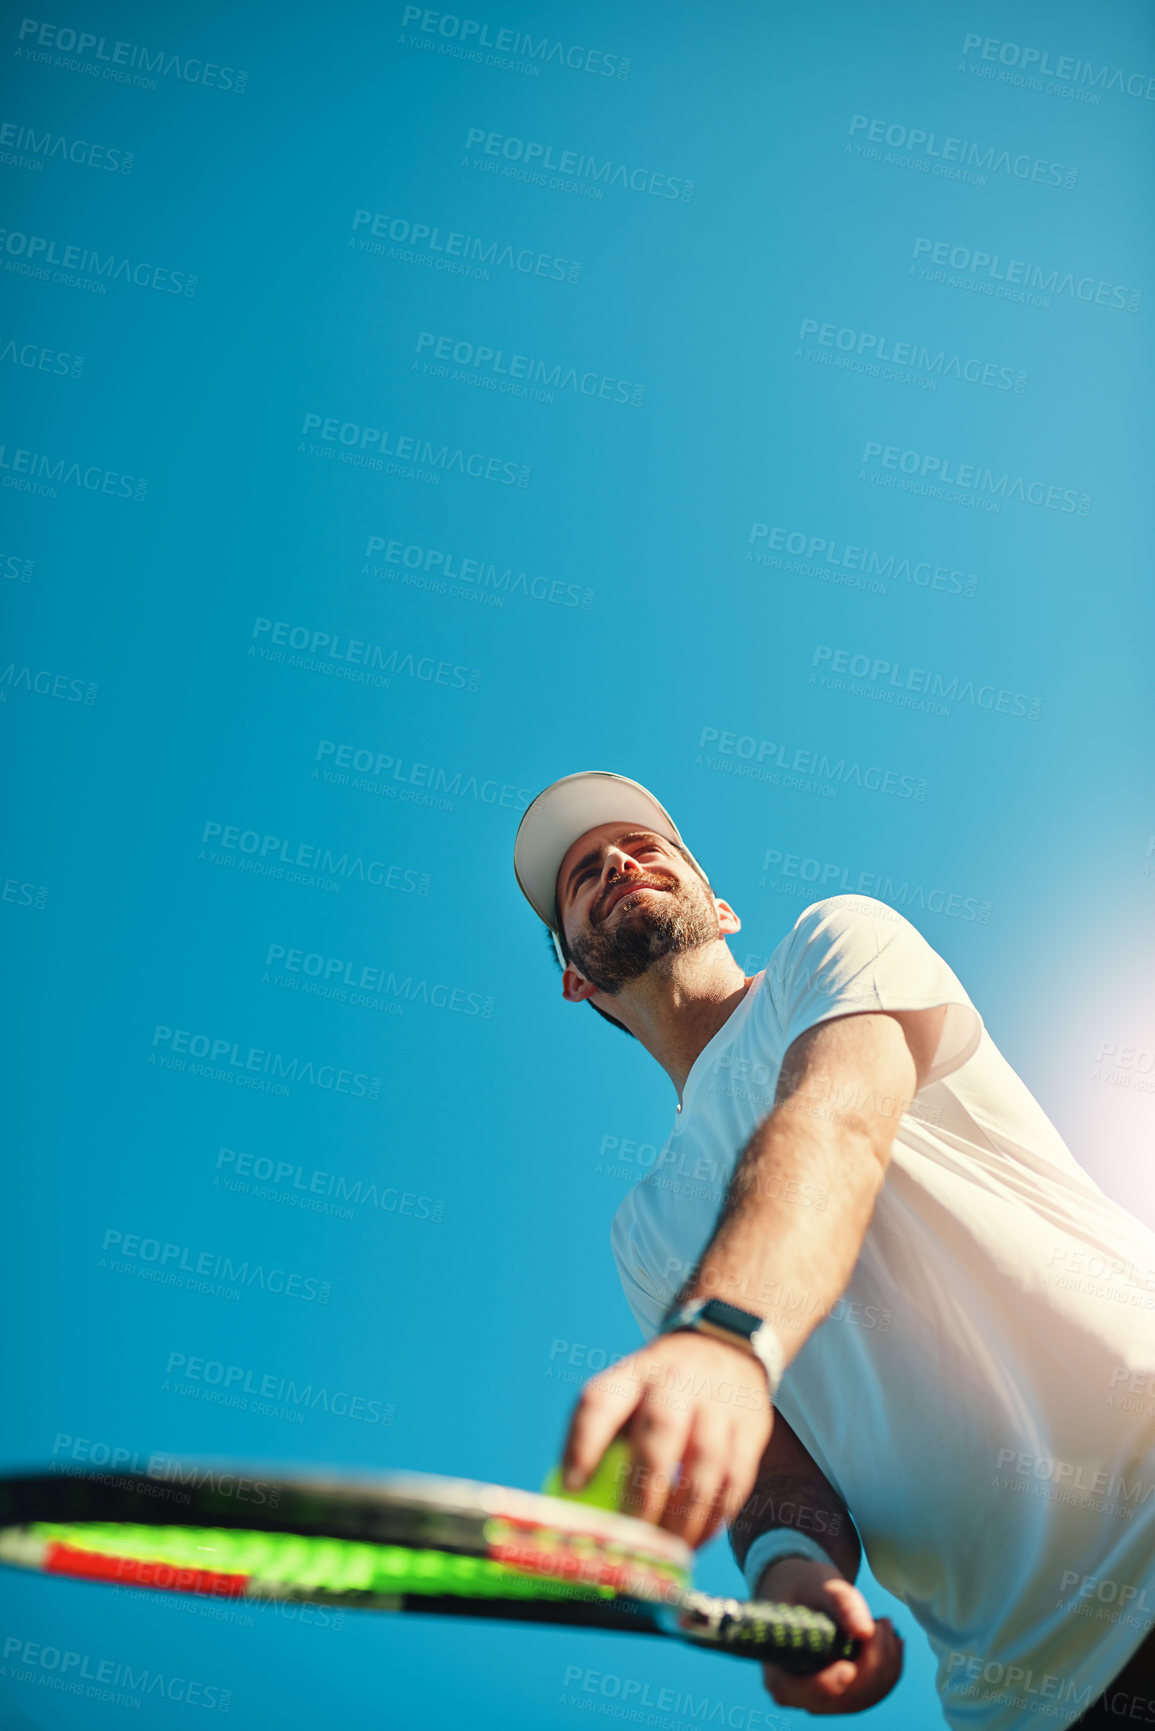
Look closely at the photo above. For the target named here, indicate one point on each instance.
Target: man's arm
(843, 1087)
(793, 1494)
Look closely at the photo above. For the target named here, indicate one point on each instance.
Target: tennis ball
(606, 1489)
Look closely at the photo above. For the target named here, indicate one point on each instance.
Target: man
(900, 1300)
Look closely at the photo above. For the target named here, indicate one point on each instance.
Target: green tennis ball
(606, 1489)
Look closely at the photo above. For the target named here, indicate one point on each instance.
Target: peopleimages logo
(956, 156)
(375, 770)
(576, 164)
(424, 244)
(891, 682)
(116, 1682)
(23, 895)
(1018, 1685)
(360, 982)
(638, 1700)
(163, 1468)
(941, 472)
(45, 683)
(42, 147)
(16, 569)
(309, 863)
(254, 1067)
(35, 252)
(36, 472)
(802, 767)
(229, 1384)
(518, 375)
(873, 347)
(170, 1261)
(429, 567)
(354, 658)
(94, 57)
(1077, 1480)
(464, 38)
(797, 874)
(1018, 273)
(1106, 1591)
(1125, 1067)
(319, 1192)
(818, 552)
(351, 442)
(37, 358)
(1036, 62)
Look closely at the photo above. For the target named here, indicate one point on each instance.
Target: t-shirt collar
(725, 1033)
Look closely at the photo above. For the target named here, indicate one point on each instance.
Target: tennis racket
(397, 1542)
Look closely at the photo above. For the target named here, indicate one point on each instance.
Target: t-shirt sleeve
(851, 954)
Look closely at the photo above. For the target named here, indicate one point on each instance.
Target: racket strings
(274, 1565)
(582, 1558)
(529, 1571)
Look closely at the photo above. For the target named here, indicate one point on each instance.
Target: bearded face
(625, 934)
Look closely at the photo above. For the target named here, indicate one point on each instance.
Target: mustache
(652, 881)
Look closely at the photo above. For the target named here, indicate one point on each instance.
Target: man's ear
(575, 989)
(728, 920)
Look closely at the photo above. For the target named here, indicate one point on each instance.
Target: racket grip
(799, 1640)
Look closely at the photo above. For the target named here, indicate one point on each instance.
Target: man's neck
(678, 1005)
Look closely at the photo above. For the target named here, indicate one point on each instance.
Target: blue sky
(365, 472)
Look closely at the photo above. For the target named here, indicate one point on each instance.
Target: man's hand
(698, 1417)
(849, 1685)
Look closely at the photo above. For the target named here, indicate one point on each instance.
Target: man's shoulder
(850, 907)
(830, 918)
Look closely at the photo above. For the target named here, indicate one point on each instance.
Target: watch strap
(740, 1328)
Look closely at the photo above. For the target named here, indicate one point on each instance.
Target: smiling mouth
(621, 896)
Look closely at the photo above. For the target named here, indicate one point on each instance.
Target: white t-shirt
(983, 1395)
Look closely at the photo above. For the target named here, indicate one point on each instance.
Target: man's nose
(618, 864)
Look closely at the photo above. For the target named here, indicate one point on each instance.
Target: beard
(681, 917)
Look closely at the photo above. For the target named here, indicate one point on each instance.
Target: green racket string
(326, 1565)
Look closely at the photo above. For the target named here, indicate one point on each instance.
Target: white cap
(565, 811)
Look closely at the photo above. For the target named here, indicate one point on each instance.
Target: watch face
(729, 1317)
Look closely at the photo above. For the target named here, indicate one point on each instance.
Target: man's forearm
(800, 1201)
(793, 1221)
(798, 1502)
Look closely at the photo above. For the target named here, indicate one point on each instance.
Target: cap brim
(565, 811)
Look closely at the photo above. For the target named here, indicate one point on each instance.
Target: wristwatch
(727, 1322)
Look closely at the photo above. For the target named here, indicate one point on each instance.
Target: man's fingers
(879, 1663)
(657, 1439)
(823, 1693)
(636, 1396)
(719, 1470)
(847, 1686)
(850, 1610)
(830, 1691)
(696, 1507)
(745, 1457)
(694, 1511)
(601, 1411)
(878, 1667)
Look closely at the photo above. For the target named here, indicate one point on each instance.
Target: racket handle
(797, 1639)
